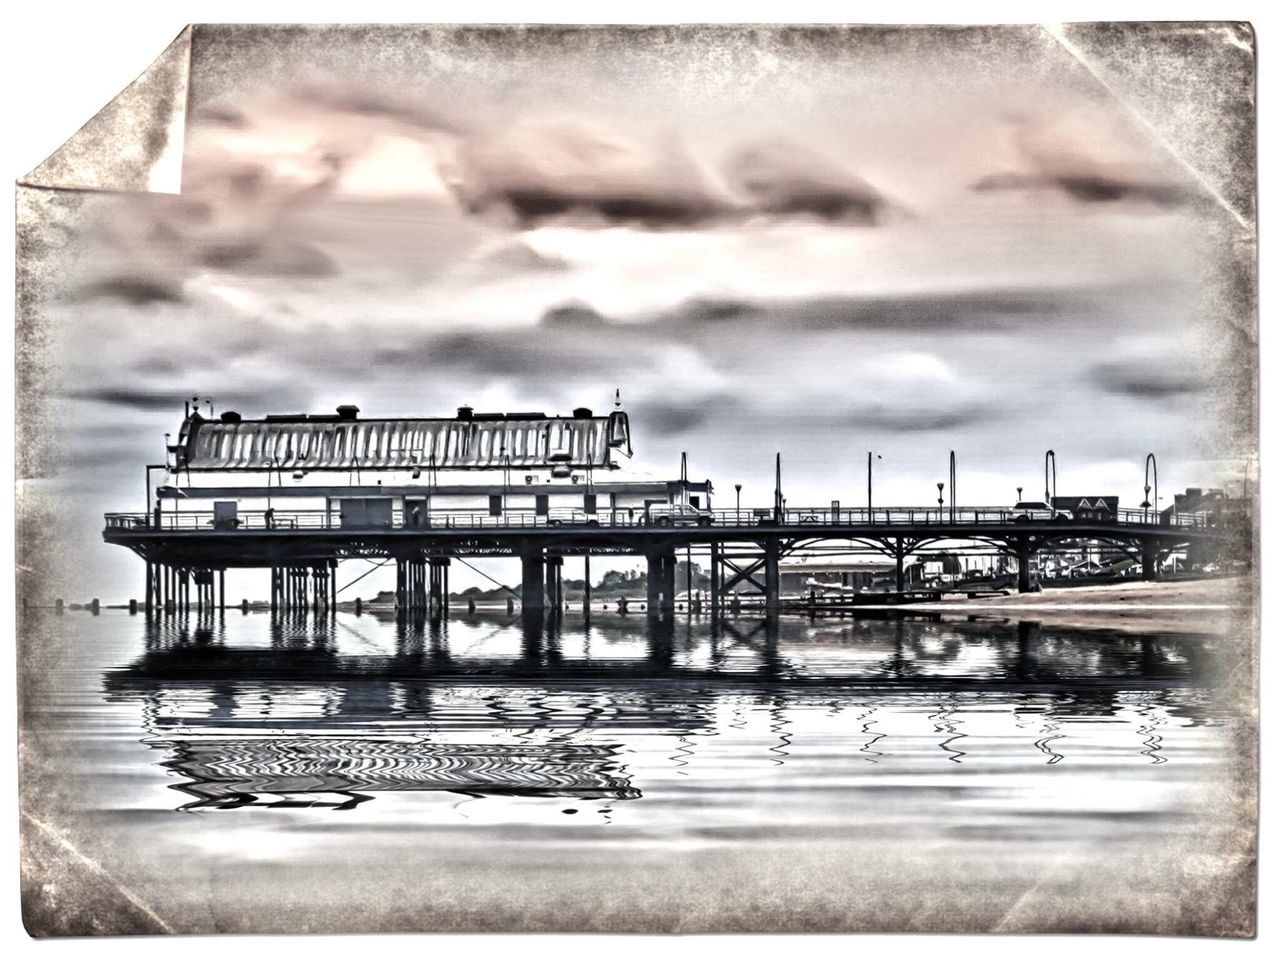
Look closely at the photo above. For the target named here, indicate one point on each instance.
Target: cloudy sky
(906, 242)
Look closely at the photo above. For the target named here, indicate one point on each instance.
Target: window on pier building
(541, 504)
(589, 503)
(495, 504)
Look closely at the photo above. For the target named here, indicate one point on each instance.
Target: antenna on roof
(617, 398)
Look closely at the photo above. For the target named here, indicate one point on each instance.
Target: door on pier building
(365, 513)
(224, 515)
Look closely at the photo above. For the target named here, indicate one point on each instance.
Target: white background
(63, 61)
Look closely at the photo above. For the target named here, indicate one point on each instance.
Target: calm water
(245, 772)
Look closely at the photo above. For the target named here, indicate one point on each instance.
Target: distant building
(835, 575)
(338, 470)
(1089, 508)
(1212, 503)
(1220, 511)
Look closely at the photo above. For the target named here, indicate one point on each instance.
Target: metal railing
(259, 520)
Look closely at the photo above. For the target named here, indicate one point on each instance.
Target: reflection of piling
(531, 628)
(1028, 636)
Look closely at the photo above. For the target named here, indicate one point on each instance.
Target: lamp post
(1151, 481)
(1050, 460)
(953, 486)
(940, 485)
(778, 508)
(737, 507)
(146, 506)
(1019, 500)
(869, 456)
(506, 480)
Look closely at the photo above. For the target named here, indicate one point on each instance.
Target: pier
(298, 494)
(744, 548)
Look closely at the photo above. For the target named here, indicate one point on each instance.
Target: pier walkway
(745, 547)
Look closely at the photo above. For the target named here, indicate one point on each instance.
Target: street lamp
(939, 502)
(1151, 480)
(1019, 494)
(737, 507)
(506, 480)
(869, 456)
(953, 486)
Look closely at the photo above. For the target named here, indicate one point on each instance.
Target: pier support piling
(1150, 560)
(532, 590)
(1024, 565)
(661, 582)
(772, 574)
(555, 582)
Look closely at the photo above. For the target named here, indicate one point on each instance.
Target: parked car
(679, 515)
(1025, 511)
(571, 518)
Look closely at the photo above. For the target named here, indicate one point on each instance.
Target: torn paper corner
(135, 142)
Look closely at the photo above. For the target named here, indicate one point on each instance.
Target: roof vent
(348, 411)
(230, 416)
(582, 413)
(466, 413)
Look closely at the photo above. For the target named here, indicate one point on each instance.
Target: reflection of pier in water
(918, 652)
(279, 724)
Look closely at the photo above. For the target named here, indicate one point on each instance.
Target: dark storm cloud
(667, 418)
(135, 399)
(639, 207)
(908, 419)
(221, 116)
(537, 173)
(136, 291)
(574, 316)
(525, 353)
(1053, 159)
(131, 399)
(1154, 378)
(966, 310)
(1092, 188)
(549, 173)
(265, 256)
(785, 179)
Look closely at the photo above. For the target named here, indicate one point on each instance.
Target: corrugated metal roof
(329, 444)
